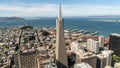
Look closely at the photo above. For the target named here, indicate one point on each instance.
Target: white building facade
(101, 41)
(93, 45)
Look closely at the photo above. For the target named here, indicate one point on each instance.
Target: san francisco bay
(104, 28)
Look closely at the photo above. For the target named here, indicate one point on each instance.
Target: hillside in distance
(11, 18)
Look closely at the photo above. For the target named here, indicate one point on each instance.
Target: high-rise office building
(101, 41)
(92, 45)
(114, 43)
(25, 60)
(101, 61)
(61, 58)
(87, 57)
(32, 58)
(104, 59)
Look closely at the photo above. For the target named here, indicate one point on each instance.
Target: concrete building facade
(92, 45)
(25, 60)
(101, 41)
(82, 65)
(89, 58)
(61, 58)
(114, 43)
(104, 59)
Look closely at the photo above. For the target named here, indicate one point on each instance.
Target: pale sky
(49, 8)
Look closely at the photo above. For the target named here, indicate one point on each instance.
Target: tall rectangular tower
(114, 43)
(61, 59)
(25, 59)
(87, 57)
(92, 45)
(101, 41)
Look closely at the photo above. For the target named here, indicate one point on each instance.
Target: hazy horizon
(48, 8)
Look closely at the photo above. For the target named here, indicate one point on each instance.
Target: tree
(116, 58)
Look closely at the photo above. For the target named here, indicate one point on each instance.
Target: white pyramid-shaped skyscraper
(61, 59)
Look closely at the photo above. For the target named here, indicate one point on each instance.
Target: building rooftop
(82, 65)
(101, 56)
(2, 44)
(29, 50)
(87, 55)
(105, 54)
(115, 34)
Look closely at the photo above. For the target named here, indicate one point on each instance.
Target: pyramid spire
(60, 11)
(61, 58)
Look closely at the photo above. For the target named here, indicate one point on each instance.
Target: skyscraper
(114, 43)
(104, 59)
(87, 57)
(92, 45)
(25, 59)
(61, 59)
(101, 41)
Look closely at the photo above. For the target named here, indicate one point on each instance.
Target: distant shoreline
(11, 18)
(106, 20)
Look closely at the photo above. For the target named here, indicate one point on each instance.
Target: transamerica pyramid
(61, 59)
